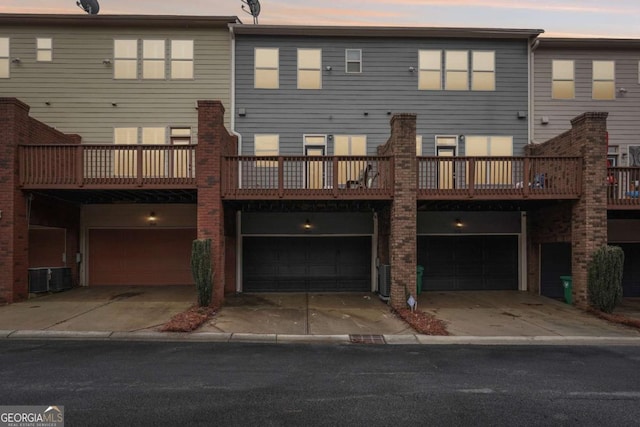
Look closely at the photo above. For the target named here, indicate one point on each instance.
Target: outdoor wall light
(307, 225)
(16, 60)
(328, 68)
(114, 104)
(152, 218)
(106, 61)
(459, 223)
(412, 69)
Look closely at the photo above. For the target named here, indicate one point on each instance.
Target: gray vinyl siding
(624, 112)
(81, 89)
(385, 85)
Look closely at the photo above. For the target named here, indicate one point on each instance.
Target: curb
(222, 337)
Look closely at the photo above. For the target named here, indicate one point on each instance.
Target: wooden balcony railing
(453, 178)
(107, 166)
(306, 177)
(623, 188)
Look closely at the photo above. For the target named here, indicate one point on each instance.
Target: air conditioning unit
(38, 280)
(60, 279)
(384, 281)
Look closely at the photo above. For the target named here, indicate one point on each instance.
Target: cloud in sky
(594, 18)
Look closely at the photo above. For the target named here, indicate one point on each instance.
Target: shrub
(604, 281)
(202, 270)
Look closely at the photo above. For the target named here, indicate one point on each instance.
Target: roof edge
(589, 43)
(337, 31)
(117, 20)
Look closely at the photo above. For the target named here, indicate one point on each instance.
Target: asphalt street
(177, 384)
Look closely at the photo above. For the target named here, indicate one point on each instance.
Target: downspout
(531, 57)
(239, 148)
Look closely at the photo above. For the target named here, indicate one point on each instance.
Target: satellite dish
(254, 9)
(90, 6)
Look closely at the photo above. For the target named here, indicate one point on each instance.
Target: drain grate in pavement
(367, 339)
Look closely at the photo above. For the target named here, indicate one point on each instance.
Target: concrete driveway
(144, 308)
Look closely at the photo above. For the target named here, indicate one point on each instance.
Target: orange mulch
(422, 322)
(615, 318)
(190, 320)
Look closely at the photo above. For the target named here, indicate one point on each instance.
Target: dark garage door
(457, 263)
(298, 264)
(631, 272)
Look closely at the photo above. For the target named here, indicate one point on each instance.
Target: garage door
(454, 263)
(631, 272)
(140, 257)
(298, 264)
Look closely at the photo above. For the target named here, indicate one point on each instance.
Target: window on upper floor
(44, 49)
(180, 136)
(4, 58)
(418, 145)
(266, 145)
(488, 171)
(350, 145)
(153, 59)
(456, 66)
(483, 75)
(604, 80)
(353, 61)
(125, 59)
(430, 70)
(309, 68)
(182, 59)
(267, 68)
(563, 79)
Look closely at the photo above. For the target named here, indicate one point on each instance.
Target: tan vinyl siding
(81, 89)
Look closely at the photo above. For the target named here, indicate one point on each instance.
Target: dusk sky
(571, 18)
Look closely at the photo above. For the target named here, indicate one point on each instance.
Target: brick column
(403, 209)
(208, 174)
(14, 238)
(589, 213)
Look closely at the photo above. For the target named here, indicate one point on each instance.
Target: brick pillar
(589, 213)
(14, 238)
(403, 209)
(208, 175)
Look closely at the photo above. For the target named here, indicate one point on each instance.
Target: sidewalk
(136, 313)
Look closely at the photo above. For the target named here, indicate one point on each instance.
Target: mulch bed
(615, 318)
(423, 323)
(190, 320)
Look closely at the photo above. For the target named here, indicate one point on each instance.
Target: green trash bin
(419, 271)
(567, 285)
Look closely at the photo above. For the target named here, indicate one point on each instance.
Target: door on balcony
(315, 146)
(446, 168)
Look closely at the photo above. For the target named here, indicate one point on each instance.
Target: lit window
(430, 66)
(353, 58)
(125, 56)
(153, 57)
(267, 62)
(180, 136)
(418, 145)
(350, 145)
(483, 76)
(4, 58)
(266, 145)
(563, 86)
(182, 59)
(604, 80)
(124, 161)
(456, 70)
(44, 50)
(490, 171)
(309, 68)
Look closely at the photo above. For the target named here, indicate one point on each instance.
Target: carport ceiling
(483, 205)
(122, 196)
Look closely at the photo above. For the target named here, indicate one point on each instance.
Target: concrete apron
(306, 314)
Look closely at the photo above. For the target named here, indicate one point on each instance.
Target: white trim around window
(353, 61)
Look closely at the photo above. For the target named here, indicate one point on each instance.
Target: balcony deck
(107, 167)
(623, 188)
(173, 167)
